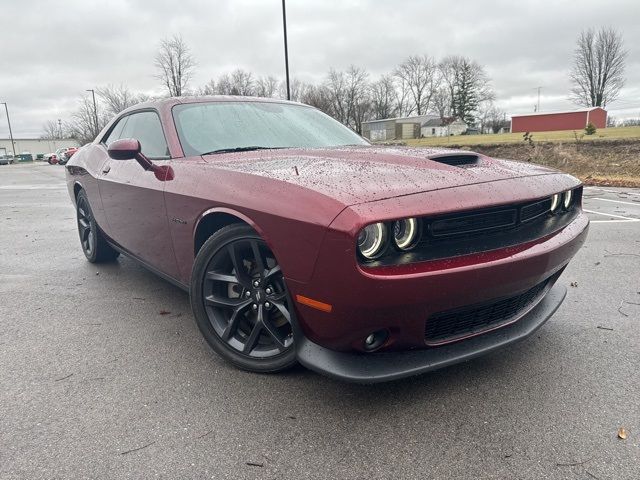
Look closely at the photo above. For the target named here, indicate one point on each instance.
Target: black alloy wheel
(94, 246)
(240, 301)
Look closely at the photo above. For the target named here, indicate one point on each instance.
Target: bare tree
(175, 65)
(317, 96)
(267, 86)
(420, 73)
(598, 67)
(296, 89)
(442, 103)
(336, 86)
(210, 88)
(490, 118)
(349, 95)
(383, 98)
(358, 97)
(224, 85)
(404, 106)
(52, 130)
(242, 83)
(116, 99)
(82, 126)
(630, 122)
(467, 85)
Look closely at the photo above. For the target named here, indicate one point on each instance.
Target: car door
(133, 198)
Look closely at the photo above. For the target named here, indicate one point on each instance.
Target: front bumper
(386, 366)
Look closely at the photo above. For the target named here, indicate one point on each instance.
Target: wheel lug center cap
(259, 295)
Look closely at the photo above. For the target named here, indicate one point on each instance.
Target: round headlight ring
(372, 240)
(555, 202)
(405, 233)
(567, 199)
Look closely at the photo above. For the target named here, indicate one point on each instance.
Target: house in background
(399, 128)
(442, 127)
(551, 121)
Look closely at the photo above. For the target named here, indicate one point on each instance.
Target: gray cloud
(53, 51)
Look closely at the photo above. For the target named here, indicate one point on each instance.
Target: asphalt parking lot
(104, 375)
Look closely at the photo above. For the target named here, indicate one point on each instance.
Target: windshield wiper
(239, 149)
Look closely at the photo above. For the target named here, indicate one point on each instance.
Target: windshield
(228, 126)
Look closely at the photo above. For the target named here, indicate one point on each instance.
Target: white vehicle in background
(53, 158)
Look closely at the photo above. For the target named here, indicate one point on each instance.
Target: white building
(398, 128)
(35, 146)
(438, 127)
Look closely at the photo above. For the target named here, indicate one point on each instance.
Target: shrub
(590, 129)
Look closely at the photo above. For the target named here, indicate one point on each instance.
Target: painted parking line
(620, 193)
(620, 218)
(32, 187)
(635, 204)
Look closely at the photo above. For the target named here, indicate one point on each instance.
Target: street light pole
(95, 108)
(286, 49)
(13, 147)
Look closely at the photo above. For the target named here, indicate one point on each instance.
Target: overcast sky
(52, 51)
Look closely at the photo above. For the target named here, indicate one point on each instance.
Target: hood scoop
(457, 159)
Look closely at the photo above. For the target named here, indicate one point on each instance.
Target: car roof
(172, 101)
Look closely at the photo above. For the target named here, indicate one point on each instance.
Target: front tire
(240, 301)
(94, 245)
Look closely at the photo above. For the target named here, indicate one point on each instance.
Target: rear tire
(93, 243)
(240, 301)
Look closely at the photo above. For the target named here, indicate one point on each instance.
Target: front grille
(454, 324)
(534, 210)
(474, 222)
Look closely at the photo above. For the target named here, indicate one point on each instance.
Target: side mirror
(124, 149)
(127, 149)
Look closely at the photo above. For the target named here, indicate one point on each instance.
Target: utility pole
(538, 107)
(59, 129)
(286, 48)
(95, 108)
(13, 147)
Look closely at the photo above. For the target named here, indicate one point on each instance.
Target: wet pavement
(105, 375)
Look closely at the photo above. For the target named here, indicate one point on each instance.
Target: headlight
(405, 233)
(372, 240)
(568, 198)
(555, 202)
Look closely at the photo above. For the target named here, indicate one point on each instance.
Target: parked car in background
(6, 159)
(64, 158)
(300, 241)
(53, 158)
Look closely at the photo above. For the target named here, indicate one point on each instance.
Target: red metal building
(547, 122)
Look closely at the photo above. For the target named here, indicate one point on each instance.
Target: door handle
(106, 169)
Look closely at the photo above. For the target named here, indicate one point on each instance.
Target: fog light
(375, 340)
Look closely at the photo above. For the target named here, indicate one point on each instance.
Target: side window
(116, 132)
(146, 128)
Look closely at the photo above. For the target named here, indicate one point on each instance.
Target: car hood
(355, 175)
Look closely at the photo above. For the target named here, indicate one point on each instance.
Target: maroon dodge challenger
(298, 241)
